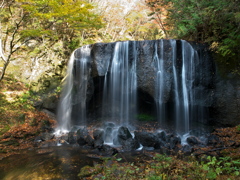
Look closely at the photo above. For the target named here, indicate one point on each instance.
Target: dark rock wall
(226, 107)
(220, 98)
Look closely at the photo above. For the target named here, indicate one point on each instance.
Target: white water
(65, 105)
(182, 82)
(160, 82)
(120, 86)
(73, 83)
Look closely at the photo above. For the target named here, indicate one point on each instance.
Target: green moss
(238, 128)
(145, 117)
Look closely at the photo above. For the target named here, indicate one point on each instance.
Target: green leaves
(223, 165)
(213, 22)
(62, 17)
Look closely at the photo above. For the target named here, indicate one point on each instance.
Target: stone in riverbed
(123, 134)
(72, 139)
(46, 136)
(82, 135)
(146, 138)
(192, 140)
(130, 144)
(98, 134)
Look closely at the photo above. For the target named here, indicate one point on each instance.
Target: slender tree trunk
(4, 70)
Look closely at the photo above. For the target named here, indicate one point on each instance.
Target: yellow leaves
(59, 15)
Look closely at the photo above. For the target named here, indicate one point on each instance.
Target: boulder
(174, 141)
(130, 144)
(123, 134)
(98, 134)
(106, 150)
(98, 143)
(82, 135)
(146, 138)
(162, 136)
(47, 136)
(72, 138)
(192, 141)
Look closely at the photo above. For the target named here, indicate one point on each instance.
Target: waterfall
(160, 82)
(120, 85)
(74, 92)
(65, 105)
(183, 75)
(165, 69)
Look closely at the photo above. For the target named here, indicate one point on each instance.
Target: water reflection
(56, 163)
(51, 163)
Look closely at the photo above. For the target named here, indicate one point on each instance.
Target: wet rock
(49, 113)
(123, 134)
(98, 143)
(89, 140)
(159, 144)
(162, 135)
(98, 134)
(47, 136)
(64, 137)
(47, 128)
(106, 150)
(146, 138)
(75, 128)
(174, 141)
(130, 145)
(82, 135)
(187, 150)
(37, 139)
(168, 137)
(63, 142)
(48, 144)
(50, 102)
(192, 140)
(72, 139)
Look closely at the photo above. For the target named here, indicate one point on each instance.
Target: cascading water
(182, 82)
(170, 64)
(160, 82)
(74, 93)
(120, 86)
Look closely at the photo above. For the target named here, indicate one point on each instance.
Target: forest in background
(39, 29)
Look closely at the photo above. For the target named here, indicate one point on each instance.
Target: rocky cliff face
(202, 83)
(102, 53)
(216, 99)
(226, 107)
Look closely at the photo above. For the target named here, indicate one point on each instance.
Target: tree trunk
(4, 70)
